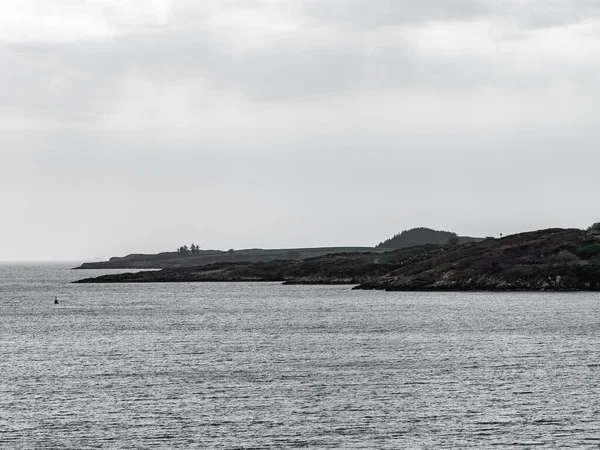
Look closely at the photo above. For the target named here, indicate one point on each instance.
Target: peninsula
(194, 256)
(553, 259)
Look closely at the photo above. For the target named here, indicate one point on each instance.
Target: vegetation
(187, 251)
(589, 251)
(420, 236)
(595, 227)
(555, 259)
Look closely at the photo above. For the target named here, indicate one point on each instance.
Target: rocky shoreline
(546, 260)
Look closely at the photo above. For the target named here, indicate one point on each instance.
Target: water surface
(270, 366)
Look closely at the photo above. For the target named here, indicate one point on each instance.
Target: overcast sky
(138, 125)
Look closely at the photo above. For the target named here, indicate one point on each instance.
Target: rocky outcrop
(544, 260)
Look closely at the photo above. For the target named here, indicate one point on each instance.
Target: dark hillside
(424, 236)
(555, 259)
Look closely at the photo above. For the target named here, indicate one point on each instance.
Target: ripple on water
(269, 366)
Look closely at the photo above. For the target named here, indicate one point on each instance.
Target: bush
(566, 256)
(589, 251)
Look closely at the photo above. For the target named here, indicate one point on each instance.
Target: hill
(555, 259)
(424, 236)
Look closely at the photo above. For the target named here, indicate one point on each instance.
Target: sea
(267, 366)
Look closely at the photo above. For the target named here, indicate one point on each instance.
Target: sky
(137, 126)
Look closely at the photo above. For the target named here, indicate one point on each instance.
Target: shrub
(566, 256)
(589, 251)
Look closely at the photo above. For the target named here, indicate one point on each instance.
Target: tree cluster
(187, 251)
(420, 236)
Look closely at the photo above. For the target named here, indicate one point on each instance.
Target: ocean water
(253, 366)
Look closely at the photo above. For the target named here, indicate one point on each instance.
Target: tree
(595, 227)
(417, 236)
(186, 251)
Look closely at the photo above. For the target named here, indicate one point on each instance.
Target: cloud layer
(289, 123)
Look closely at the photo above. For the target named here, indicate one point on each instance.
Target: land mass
(172, 260)
(554, 259)
(194, 256)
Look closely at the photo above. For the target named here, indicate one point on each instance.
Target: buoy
(56, 300)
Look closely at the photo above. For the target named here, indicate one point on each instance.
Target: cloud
(542, 14)
(380, 13)
(289, 59)
(526, 14)
(291, 116)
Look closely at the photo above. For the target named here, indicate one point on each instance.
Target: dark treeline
(420, 236)
(191, 250)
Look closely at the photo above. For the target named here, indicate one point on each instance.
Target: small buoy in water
(56, 300)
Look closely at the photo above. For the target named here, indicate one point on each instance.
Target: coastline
(545, 260)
